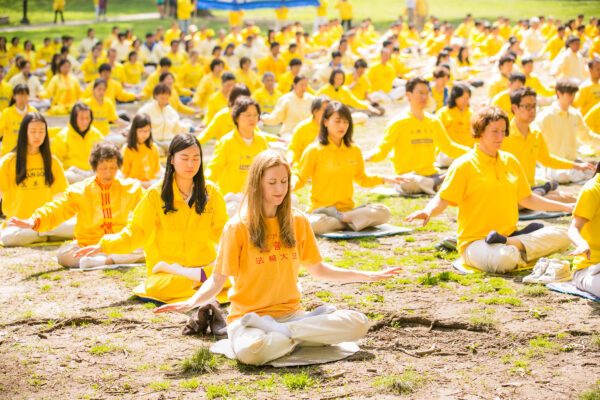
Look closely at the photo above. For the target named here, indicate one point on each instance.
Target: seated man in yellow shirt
(533, 81)
(415, 135)
(588, 94)
(102, 204)
(528, 145)
(516, 81)
(500, 82)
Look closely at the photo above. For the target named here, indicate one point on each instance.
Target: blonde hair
(254, 199)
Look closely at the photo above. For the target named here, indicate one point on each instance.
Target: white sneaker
(90, 262)
(557, 271)
(538, 270)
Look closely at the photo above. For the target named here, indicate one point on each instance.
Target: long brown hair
(254, 198)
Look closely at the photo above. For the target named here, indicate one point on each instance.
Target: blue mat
(530, 215)
(376, 231)
(570, 288)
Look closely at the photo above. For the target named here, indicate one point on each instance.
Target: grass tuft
(201, 362)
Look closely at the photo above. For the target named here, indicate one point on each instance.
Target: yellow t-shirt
(265, 281)
(221, 124)
(360, 87)
(216, 102)
(333, 171)
(89, 67)
(191, 74)
(343, 95)
(536, 84)
(23, 199)
(588, 207)
(322, 8)
(592, 118)
(231, 160)
(275, 65)
(281, 13)
(10, 122)
(183, 237)
(486, 191)
(142, 164)
(266, 100)
(303, 135)
(414, 142)
(6, 92)
(531, 150)
(502, 100)
(104, 113)
(250, 79)
(457, 124)
(499, 84)
(133, 72)
(99, 209)
(64, 91)
(184, 9)
(381, 77)
(236, 18)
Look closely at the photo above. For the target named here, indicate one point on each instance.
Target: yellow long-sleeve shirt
(303, 135)
(381, 77)
(275, 65)
(133, 72)
(587, 96)
(10, 122)
(184, 9)
(249, 78)
(99, 209)
(345, 9)
(216, 102)
(531, 150)
(114, 91)
(360, 87)
(142, 164)
(221, 124)
(89, 68)
(554, 46)
(74, 150)
(414, 142)
(499, 84)
(23, 199)
(502, 100)
(534, 82)
(267, 101)
(333, 171)
(343, 95)
(231, 160)
(457, 124)
(183, 237)
(6, 91)
(64, 92)
(588, 207)
(191, 74)
(104, 113)
(207, 86)
(592, 118)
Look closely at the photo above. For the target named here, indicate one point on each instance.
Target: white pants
(443, 160)
(318, 22)
(563, 176)
(233, 202)
(13, 236)
(65, 256)
(256, 347)
(588, 279)
(75, 174)
(116, 139)
(501, 258)
(361, 217)
(40, 104)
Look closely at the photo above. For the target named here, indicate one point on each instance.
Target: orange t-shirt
(265, 281)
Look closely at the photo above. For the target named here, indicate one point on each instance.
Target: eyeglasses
(528, 107)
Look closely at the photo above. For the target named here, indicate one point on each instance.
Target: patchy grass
(201, 362)
(191, 384)
(533, 290)
(102, 349)
(502, 300)
(216, 391)
(483, 318)
(160, 385)
(591, 394)
(407, 382)
(298, 381)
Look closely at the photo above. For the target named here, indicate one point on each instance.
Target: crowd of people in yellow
(101, 144)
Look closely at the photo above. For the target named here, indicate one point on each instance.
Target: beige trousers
(13, 236)
(501, 258)
(256, 347)
(588, 279)
(65, 256)
(361, 218)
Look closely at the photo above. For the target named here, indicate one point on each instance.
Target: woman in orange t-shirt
(262, 249)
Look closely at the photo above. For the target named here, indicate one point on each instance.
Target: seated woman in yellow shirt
(174, 99)
(63, 89)
(270, 239)
(105, 112)
(178, 223)
(133, 70)
(246, 75)
(141, 155)
(234, 152)
(102, 204)
(487, 185)
(456, 118)
(29, 178)
(74, 143)
(222, 122)
(336, 91)
(306, 131)
(333, 164)
(11, 117)
(583, 232)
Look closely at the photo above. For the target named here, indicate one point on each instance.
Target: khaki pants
(65, 256)
(256, 347)
(588, 279)
(564, 176)
(361, 218)
(501, 258)
(13, 236)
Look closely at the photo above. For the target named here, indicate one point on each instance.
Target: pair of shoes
(209, 315)
(548, 271)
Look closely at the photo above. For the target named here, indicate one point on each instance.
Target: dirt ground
(66, 334)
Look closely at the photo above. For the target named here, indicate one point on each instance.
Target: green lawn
(381, 11)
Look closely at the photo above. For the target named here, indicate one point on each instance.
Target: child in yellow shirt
(10, 119)
(103, 108)
(268, 238)
(63, 89)
(31, 176)
(140, 155)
